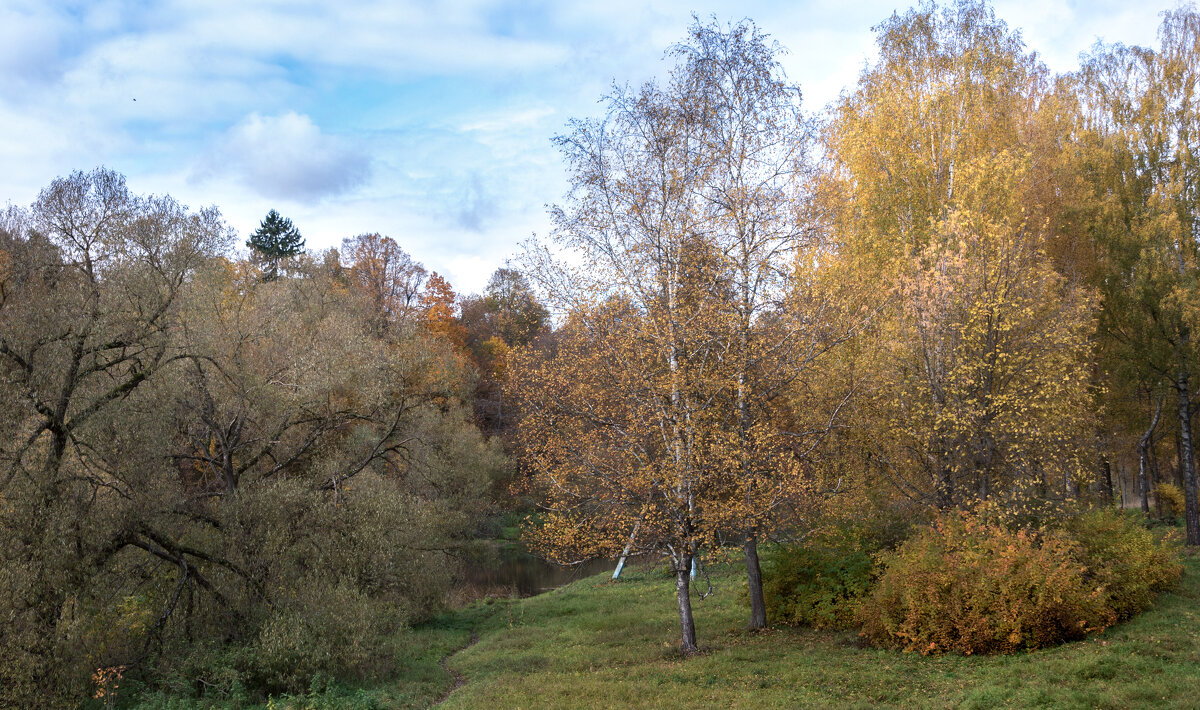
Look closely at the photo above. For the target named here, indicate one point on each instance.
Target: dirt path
(459, 680)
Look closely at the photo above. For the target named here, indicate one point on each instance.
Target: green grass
(598, 643)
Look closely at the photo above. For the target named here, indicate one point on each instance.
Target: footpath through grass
(597, 643)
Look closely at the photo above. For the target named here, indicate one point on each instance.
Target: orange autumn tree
(618, 431)
(438, 302)
(654, 423)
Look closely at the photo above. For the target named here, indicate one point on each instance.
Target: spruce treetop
(276, 238)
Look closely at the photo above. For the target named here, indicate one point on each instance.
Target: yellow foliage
(977, 373)
(1169, 498)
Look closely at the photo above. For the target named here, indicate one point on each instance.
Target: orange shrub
(967, 586)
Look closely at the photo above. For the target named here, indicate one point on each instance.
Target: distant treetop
(276, 238)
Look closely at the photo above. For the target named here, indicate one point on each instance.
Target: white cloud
(29, 46)
(285, 157)
(428, 121)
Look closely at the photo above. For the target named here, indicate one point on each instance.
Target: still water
(511, 566)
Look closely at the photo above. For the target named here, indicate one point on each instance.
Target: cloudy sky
(426, 121)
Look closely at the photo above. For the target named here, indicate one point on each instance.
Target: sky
(429, 122)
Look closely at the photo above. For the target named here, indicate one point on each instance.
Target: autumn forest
(918, 364)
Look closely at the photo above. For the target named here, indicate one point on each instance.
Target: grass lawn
(596, 643)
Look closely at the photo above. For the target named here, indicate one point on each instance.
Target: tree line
(966, 280)
(276, 453)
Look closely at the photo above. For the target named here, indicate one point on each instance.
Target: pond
(511, 566)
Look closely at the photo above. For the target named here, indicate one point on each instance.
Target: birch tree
(936, 193)
(1144, 121)
(756, 211)
(688, 210)
(620, 439)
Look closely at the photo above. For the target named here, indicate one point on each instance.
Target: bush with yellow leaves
(966, 585)
(1169, 499)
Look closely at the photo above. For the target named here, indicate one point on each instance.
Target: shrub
(335, 632)
(968, 586)
(1170, 499)
(973, 586)
(816, 585)
(1125, 558)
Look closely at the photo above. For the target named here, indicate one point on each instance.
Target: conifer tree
(275, 239)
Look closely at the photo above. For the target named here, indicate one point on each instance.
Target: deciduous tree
(627, 442)
(686, 332)
(88, 309)
(755, 207)
(936, 194)
(390, 277)
(1144, 126)
(439, 305)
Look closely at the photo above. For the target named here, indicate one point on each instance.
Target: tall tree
(1144, 126)
(390, 277)
(626, 449)
(439, 304)
(754, 203)
(89, 305)
(687, 205)
(935, 192)
(275, 239)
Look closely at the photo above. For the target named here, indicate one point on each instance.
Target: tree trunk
(1179, 478)
(1104, 481)
(758, 608)
(1121, 485)
(1144, 456)
(1155, 479)
(628, 547)
(1187, 461)
(1143, 482)
(683, 594)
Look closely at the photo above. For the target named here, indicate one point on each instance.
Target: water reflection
(510, 566)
